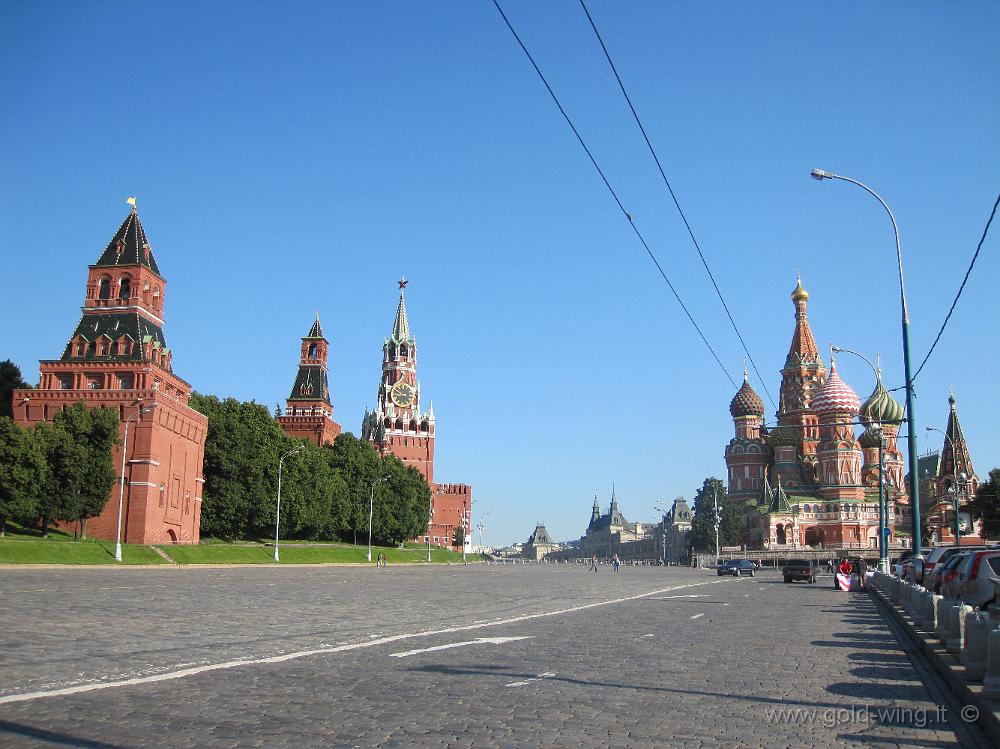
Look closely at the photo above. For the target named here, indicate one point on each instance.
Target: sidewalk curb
(949, 668)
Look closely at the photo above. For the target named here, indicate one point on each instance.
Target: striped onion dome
(746, 402)
(881, 408)
(869, 438)
(836, 395)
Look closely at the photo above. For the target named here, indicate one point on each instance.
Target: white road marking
(697, 615)
(546, 675)
(689, 595)
(182, 673)
(760, 589)
(477, 641)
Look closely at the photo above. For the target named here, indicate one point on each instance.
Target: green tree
(702, 536)
(358, 465)
(458, 539)
(22, 471)
(95, 432)
(10, 380)
(986, 505)
(63, 481)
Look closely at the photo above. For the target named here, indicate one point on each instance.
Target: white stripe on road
(689, 595)
(477, 641)
(546, 675)
(697, 615)
(185, 672)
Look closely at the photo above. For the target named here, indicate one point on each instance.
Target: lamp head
(820, 175)
(837, 349)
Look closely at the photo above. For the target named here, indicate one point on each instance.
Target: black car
(799, 569)
(736, 567)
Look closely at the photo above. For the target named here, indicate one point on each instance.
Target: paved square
(539, 655)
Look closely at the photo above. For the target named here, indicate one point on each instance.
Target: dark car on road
(737, 567)
(799, 569)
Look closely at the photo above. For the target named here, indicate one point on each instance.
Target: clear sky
(294, 157)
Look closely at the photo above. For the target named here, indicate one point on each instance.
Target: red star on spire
(402, 282)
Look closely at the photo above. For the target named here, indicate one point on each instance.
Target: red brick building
(397, 426)
(308, 410)
(118, 358)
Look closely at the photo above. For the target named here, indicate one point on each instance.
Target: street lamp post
(663, 522)
(121, 486)
(718, 522)
(955, 476)
(911, 419)
(277, 512)
(883, 504)
(371, 513)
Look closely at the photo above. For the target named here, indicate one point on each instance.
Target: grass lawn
(220, 554)
(40, 551)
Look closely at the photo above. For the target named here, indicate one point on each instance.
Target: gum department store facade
(117, 357)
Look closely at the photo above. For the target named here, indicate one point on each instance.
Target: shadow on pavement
(52, 737)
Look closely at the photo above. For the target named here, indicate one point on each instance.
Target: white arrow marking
(477, 641)
(697, 615)
(546, 675)
(689, 595)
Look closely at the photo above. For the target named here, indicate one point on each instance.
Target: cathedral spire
(803, 349)
(955, 453)
(316, 331)
(401, 325)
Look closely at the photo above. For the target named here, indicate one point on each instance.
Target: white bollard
(920, 612)
(931, 623)
(973, 655)
(957, 628)
(945, 623)
(991, 682)
(940, 616)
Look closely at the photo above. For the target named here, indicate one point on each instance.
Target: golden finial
(800, 294)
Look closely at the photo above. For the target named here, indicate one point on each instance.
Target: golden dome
(800, 294)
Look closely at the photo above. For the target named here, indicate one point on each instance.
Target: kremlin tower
(117, 357)
(308, 410)
(955, 473)
(397, 426)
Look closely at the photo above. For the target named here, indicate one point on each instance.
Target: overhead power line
(958, 295)
(614, 195)
(673, 196)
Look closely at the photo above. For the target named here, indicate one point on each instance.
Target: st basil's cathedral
(809, 481)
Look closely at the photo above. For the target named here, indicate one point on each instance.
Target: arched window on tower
(104, 288)
(312, 350)
(125, 288)
(403, 351)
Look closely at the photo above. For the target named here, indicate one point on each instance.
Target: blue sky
(293, 158)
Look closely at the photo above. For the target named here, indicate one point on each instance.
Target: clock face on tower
(402, 394)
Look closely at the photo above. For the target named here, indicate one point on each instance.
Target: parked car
(936, 556)
(976, 578)
(737, 567)
(799, 569)
(946, 574)
(898, 567)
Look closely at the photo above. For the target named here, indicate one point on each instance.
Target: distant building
(308, 410)
(676, 530)
(539, 544)
(397, 426)
(608, 531)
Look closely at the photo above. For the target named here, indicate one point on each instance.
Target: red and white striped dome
(836, 396)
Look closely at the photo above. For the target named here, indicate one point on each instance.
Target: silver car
(976, 578)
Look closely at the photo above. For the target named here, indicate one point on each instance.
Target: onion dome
(782, 436)
(869, 438)
(746, 402)
(881, 408)
(800, 294)
(836, 396)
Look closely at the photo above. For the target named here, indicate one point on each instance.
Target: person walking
(593, 563)
(845, 569)
(862, 575)
(616, 563)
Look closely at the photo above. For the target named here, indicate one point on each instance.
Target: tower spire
(401, 325)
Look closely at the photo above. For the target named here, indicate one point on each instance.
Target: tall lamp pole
(121, 486)
(663, 522)
(277, 512)
(883, 504)
(911, 419)
(371, 513)
(955, 474)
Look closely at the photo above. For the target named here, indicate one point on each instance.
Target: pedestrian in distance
(845, 568)
(616, 563)
(862, 575)
(593, 564)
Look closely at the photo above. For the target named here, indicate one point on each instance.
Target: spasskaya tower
(397, 426)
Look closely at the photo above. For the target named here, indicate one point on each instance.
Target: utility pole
(718, 522)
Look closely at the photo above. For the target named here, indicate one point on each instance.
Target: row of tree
(325, 491)
(57, 471)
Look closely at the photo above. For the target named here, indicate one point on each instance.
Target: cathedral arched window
(125, 288)
(104, 288)
(312, 350)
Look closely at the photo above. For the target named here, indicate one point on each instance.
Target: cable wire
(677, 204)
(947, 317)
(614, 195)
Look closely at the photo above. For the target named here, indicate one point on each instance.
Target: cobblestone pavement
(358, 657)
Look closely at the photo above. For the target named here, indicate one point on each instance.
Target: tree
(986, 505)
(22, 471)
(458, 539)
(702, 536)
(358, 465)
(95, 433)
(10, 380)
(63, 481)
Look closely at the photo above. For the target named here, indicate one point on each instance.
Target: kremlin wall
(118, 357)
